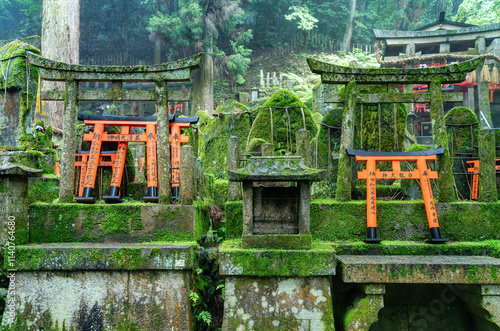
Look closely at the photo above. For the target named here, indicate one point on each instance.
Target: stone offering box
(276, 199)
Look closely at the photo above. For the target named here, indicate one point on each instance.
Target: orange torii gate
(475, 177)
(81, 160)
(371, 174)
(123, 138)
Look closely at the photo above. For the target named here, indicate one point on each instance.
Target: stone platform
(419, 269)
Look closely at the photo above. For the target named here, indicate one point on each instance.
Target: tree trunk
(60, 42)
(350, 26)
(157, 49)
(361, 8)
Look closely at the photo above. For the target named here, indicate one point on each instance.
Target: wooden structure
(475, 177)
(73, 75)
(89, 168)
(371, 174)
(392, 78)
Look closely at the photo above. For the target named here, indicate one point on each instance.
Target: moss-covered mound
(215, 136)
(462, 128)
(288, 116)
(14, 69)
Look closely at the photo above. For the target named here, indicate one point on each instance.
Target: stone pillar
(445, 183)
(267, 149)
(410, 50)
(233, 163)
(491, 302)
(483, 91)
(487, 175)
(268, 80)
(262, 83)
(343, 192)
(444, 48)
(14, 202)
(304, 207)
(186, 175)
(163, 144)
(247, 208)
(303, 149)
(365, 310)
(69, 142)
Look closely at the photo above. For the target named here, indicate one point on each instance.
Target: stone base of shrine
(278, 303)
(96, 287)
(277, 289)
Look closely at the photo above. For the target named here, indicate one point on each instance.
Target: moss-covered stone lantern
(276, 197)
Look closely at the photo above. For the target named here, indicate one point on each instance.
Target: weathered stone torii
(72, 75)
(434, 77)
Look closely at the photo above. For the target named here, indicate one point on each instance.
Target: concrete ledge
(102, 257)
(235, 260)
(419, 269)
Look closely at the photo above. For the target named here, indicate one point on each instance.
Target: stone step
(419, 269)
(101, 256)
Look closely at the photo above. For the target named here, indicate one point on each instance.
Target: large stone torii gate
(434, 77)
(72, 75)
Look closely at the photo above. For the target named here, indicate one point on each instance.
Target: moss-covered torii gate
(72, 75)
(434, 77)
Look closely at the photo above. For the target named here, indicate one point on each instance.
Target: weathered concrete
(278, 303)
(99, 300)
(163, 144)
(267, 149)
(419, 269)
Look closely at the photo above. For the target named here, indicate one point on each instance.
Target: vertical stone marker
(233, 189)
(187, 175)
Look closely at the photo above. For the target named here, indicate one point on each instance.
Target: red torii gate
(371, 174)
(89, 169)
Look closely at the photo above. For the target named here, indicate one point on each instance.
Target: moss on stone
(235, 260)
(283, 125)
(234, 219)
(43, 190)
(214, 150)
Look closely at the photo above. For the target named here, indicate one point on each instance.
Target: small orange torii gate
(475, 177)
(371, 174)
(89, 168)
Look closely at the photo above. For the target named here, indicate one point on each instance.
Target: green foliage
(478, 12)
(305, 21)
(239, 61)
(182, 28)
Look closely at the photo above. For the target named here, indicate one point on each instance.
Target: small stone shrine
(276, 199)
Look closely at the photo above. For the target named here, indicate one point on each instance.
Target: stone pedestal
(101, 286)
(271, 289)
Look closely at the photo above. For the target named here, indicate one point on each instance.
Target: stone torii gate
(392, 78)
(72, 75)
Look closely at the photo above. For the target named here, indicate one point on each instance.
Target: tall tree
(305, 21)
(60, 42)
(348, 31)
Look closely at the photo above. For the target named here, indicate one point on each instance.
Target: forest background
(236, 33)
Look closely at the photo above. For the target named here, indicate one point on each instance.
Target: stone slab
(419, 269)
(101, 257)
(101, 300)
(278, 303)
(237, 261)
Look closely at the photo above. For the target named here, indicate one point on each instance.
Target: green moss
(234, 219)
(43, 190)
(215, 139)
(201, 218)
(274, 241)
(284, 126)
(126, 258)
(36, 159)
(319, 260)
(398, 220)
(254, 146)
(364, 311)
